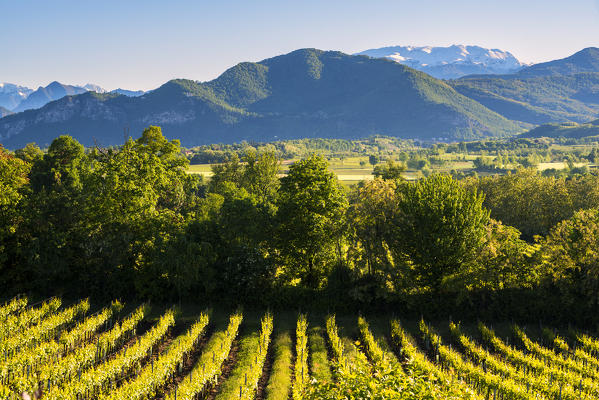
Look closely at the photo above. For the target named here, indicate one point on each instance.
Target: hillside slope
(306, 93)
(4, 112)
(556, 91)
(568, 130)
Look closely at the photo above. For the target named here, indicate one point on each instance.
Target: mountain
(536, 100)
(4, 112)
(130, 93)
(94, 88)
(306, 93)
(11, 95)
(44, 95)
(54, 91)
(566, 130)
(450, 62)
(551, 92)
(586, 60)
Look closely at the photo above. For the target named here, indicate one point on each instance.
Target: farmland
(353, 161)
(55, 350)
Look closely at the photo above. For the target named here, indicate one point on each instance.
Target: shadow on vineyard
(63, 351)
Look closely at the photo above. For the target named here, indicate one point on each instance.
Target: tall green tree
(440, 226)
(14, 181)
(526, 200)
(56, 215)
(373, 206)
(570, 254)
(310, 215)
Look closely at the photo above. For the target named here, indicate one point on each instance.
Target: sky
(135, 44)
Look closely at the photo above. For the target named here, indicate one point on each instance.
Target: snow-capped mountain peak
(20, 98)
(450, 62)
(94, 88)
(11, 95)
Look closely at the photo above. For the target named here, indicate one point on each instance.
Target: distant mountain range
(12, 95)
(314, 93)
(450, 62)
(19, 98)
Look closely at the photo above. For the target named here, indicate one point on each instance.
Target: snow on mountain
(19, 98)
(94, 88)
(450, 62)
(44, 95)
(11, 95)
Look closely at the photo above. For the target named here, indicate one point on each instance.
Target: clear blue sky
(138, 44)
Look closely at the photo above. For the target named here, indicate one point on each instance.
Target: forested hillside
(571, 130)
(555, 91)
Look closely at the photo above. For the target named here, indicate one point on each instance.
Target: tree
(526, 200)
(570, 254)
(389, 171)
(13, 178)
(310, 217)
(230, 171)
(260, 175)
(439, 227)
(30, 153)
(13, 192)
(503, 262)
(373, 159)
(56, 217)
(60, 167)
(373, 206)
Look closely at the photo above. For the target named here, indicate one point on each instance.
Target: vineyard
(57, 351)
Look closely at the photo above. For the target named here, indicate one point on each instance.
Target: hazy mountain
(44, 95)
(4, 112)
(11, 95)
(27, 99)
(450, 62)
(566, 130)
(130, 93)
(306, 93)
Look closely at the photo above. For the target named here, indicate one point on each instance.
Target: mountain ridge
(305, 93)
(556, 91)
(4, 112)
(20, 98)
(450, 62)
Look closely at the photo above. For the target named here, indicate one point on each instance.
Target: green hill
(555, 91)
(586, 60)
(306, 93)
(566, 130)
(536, 100)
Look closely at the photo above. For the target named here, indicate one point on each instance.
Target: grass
(245, 359)
(319, 360)
(279, 383)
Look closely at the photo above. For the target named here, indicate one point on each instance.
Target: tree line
(130, 222)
